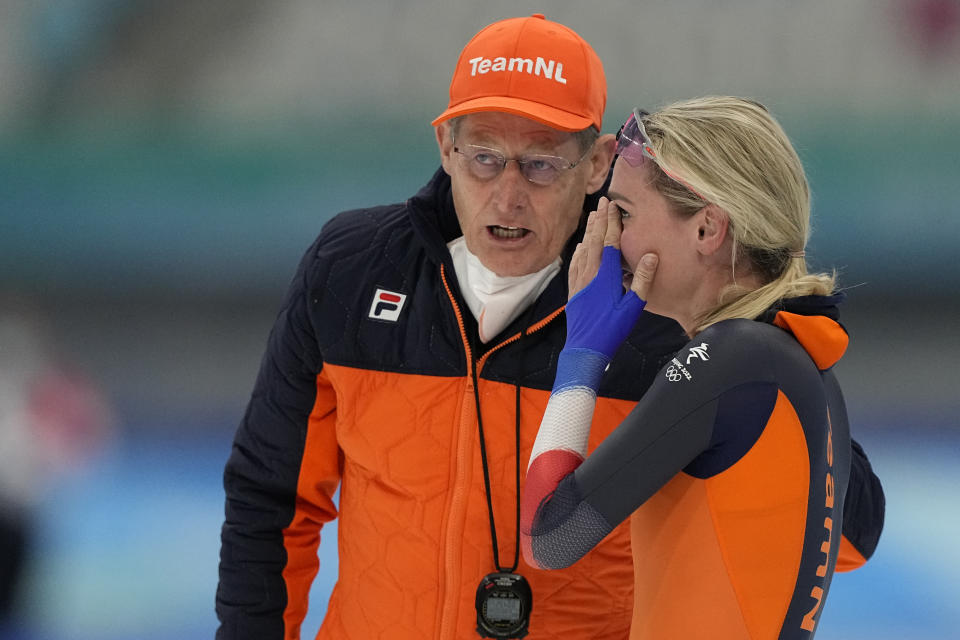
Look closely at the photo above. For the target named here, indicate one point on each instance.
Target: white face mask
(495, 301)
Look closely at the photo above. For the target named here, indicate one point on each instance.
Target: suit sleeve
(700, 418)
(571, 501)
(863, 512)
(273, 512)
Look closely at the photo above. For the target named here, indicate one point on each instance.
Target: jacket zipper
(531, 329)
(457, 510)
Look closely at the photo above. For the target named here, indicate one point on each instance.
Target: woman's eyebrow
(613, 195)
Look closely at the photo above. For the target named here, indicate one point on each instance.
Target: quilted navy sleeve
(261, 475)
(863, 512)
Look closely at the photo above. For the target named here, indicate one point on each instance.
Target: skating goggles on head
(485, 163)
(633, 145)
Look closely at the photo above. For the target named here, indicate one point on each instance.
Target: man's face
(516, 227)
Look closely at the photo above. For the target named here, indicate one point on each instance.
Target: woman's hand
(603, 229)
(599, 314)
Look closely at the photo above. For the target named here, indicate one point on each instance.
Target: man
(411, 365)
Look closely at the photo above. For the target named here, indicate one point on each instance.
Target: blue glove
(601, 315)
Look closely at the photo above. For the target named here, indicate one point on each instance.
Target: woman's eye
(623, 212)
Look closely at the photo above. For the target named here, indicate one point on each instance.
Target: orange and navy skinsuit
(733, 470)
(368, 384)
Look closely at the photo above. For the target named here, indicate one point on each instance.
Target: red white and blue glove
(601, 315)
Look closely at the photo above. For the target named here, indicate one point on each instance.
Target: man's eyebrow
(613, 195)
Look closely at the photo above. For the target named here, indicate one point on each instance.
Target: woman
(733, 468)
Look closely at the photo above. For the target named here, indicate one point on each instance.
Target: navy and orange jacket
(367, 384)
(733, 471)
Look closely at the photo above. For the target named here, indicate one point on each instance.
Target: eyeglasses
(633, 145)
(485, 163)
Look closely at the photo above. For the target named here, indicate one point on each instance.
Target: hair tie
(797, 254)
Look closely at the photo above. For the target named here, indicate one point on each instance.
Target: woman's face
(649, 225)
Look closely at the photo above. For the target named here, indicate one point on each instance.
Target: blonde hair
(733, 153)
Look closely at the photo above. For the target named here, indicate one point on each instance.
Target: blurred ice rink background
(163, 165)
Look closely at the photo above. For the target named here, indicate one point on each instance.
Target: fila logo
(387, 305)
(550, 69)
(698, 352)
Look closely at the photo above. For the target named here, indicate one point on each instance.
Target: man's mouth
(507, 233)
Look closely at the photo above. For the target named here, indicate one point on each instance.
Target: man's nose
(511, 188)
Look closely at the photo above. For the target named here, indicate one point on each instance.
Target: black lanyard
(504, 599)
(486, 481)
(483, 457)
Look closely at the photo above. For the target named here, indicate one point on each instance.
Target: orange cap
(530, 67)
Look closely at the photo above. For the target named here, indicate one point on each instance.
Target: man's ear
(712, 229)
(445, 143)
(599, 161)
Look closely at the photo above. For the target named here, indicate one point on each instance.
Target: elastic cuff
(580, 368)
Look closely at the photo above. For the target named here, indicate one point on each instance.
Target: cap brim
(544, 114)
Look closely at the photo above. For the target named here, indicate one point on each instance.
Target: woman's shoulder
(739, 335)
(742, 345)
(738, 349)
(747, 334)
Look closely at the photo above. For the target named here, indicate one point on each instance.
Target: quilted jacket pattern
(385, 411)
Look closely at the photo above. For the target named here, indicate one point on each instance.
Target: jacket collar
(815, 323)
